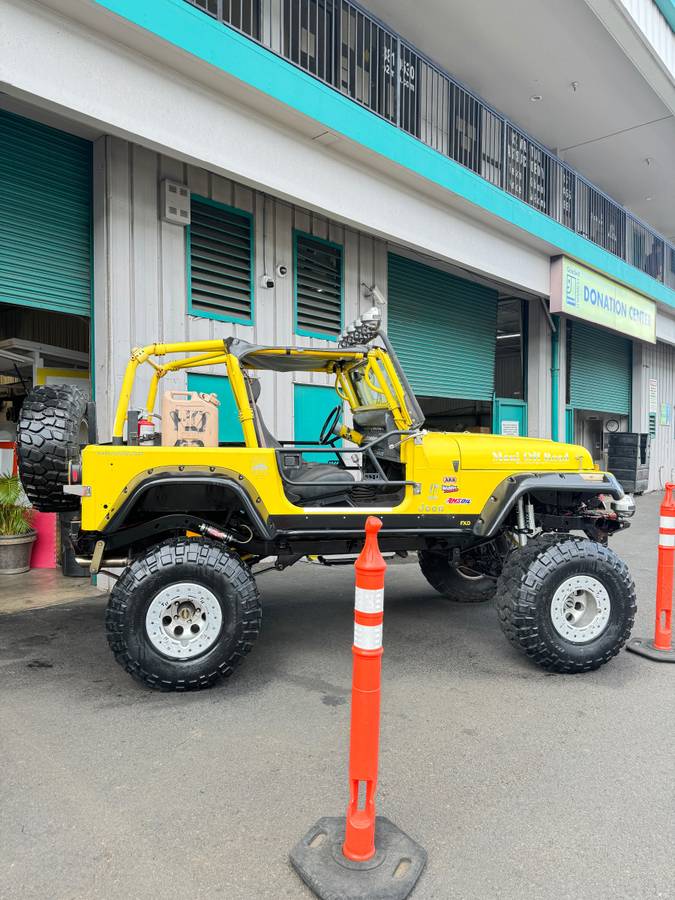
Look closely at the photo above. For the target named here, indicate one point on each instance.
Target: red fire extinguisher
(146, 430)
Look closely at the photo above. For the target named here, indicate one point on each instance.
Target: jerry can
(189, 419)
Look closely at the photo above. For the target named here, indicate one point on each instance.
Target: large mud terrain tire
(50, 431)
(183, 616)
(568, 604)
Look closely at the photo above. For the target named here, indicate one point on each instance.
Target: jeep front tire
(184, 615)
(567, 604)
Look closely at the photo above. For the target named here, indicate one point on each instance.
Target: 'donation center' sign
(581, 292)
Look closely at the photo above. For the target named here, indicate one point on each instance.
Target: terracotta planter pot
(15, 551)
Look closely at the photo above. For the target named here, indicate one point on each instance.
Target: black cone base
(645, 647)
(390, 875)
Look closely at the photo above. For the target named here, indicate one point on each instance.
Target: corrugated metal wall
(659, 364)
(140, 275)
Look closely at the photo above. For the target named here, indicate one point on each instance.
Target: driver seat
(312, 475)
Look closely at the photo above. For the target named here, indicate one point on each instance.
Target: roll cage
(375, 366)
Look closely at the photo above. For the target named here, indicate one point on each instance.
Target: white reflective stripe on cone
(667, 540)
(367, 637)
(667, 522)
(367, 600)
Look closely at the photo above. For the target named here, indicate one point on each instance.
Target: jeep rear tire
(51, 429)
(461, 582)
(568, 604)
(183, 616)
(456, 583)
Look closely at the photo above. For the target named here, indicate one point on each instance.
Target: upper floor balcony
(347, 48)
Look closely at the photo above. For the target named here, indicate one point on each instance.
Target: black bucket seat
(319, 481)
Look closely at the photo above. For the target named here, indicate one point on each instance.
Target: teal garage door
(229, 426)
(443, 329)
(45, 217)
(601, 364)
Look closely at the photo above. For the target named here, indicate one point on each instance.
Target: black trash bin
(628, 460)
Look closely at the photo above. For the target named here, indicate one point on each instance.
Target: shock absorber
(227, 537)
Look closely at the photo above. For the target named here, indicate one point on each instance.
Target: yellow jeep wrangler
(520, 520)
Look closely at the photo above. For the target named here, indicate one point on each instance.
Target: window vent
(221, 262)
(318, 287)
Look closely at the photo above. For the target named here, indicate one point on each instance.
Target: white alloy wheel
(580, 609)
(184, 620)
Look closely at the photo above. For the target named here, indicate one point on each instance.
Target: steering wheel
(332, 419)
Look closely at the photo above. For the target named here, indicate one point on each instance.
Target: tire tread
(174, 552)
(519, 587)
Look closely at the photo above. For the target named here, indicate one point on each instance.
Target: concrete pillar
(562, 379)
(538, 371)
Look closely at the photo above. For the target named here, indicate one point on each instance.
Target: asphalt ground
(519, 784)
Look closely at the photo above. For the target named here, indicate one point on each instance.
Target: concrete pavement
(519, 784)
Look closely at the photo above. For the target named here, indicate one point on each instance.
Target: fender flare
(263, 528)
(507, 493)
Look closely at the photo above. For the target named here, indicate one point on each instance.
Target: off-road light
(372, 318)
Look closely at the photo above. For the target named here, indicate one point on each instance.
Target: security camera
(378, 296)
(282, 271)
(266, 281)
(374, 292)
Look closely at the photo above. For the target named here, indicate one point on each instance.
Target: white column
(538, 372)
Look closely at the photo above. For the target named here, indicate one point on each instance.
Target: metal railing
(340, 44)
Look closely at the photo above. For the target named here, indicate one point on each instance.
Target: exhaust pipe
(114, 563)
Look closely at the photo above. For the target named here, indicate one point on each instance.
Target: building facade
(180, 170)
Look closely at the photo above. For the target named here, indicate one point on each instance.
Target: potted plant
(16, 532)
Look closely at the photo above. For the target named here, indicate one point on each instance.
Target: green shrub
(15, 518)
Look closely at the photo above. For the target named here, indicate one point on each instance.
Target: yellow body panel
(456, 473)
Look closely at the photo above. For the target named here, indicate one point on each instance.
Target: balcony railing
(340, 44)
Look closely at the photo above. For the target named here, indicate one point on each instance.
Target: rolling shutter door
(45, 217)
(443, 329)
(600, 370)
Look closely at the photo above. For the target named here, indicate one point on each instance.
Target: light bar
(361, 330)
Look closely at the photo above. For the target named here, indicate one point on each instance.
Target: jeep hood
(489, 451)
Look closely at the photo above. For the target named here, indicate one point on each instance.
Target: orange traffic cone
(362, 856)
(661, 648)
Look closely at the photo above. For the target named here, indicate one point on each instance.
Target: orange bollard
(661, 648)
(362, 856)
(370, 567)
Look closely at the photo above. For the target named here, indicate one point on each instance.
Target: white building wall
(200, 116)
(140, 279)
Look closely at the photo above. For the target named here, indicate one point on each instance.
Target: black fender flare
(258, 519)
(507, 493)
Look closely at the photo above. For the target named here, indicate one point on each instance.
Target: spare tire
(51, 430)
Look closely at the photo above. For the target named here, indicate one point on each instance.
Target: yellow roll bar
(140, 355)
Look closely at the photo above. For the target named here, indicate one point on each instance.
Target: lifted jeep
(522, 520)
